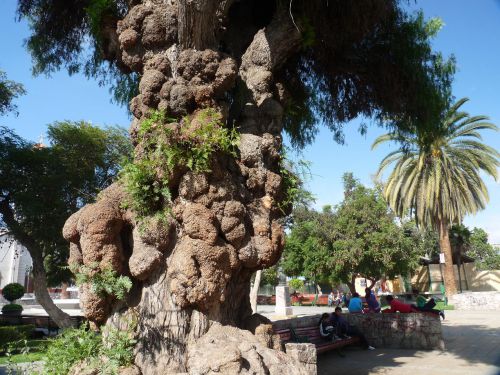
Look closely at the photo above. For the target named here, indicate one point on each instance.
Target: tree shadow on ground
(467, 347)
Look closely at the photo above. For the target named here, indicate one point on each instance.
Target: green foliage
(9, 90)
(10, 334)
(80, 160)
(118, 348)
(358, 237)
(96, 11)
(70, 347)
(167, 149)
(383, 67)
(485, 255)
(13, 291)
(436, 176)
(296, 284)
(294, 175)
(102, 280)
(270, 276)
(474, 243)
(12, 307)
(69, 34)
(106, 353)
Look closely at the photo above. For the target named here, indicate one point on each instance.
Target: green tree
(486, 257)
(436, 176)
(9, 90)
(266, 67)
(359, 238)
(41, 186)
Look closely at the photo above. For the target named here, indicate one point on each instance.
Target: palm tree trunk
(445, 245)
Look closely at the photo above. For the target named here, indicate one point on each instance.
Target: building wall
(476, 281)
(15, 261)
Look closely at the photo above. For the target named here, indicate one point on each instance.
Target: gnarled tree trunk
(191, 273)
(62, 319)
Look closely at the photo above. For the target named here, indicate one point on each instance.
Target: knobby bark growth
(236, 65)
(191, 271)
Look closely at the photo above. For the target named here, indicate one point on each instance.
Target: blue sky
(471, 32)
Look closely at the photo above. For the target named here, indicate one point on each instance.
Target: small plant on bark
(168, 146)
(102, 281)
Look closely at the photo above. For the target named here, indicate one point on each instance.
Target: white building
(15, 262)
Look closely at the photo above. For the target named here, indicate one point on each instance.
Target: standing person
(345, 330)
(426, 305)
(339, 298)
(371, 300)
(355, 304)
(331, 298)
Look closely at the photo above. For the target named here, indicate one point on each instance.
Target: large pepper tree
(201, 207)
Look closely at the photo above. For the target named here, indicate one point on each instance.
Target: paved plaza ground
(472, 340)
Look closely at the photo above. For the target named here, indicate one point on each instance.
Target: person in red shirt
(398, 306)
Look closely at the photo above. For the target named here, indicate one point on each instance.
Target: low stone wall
(305, 354)
(402, 331)
(476, 301)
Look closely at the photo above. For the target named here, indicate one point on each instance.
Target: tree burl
(256, 67)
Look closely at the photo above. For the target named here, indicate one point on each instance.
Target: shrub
(70, 347)
(296, 284)
(15, 333)
(81, 344)
(13, 291)
(12, 307)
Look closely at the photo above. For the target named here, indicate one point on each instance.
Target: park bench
(312, 335)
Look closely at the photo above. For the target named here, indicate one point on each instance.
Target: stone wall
(305, 354)
(476, 301)
(405, 331)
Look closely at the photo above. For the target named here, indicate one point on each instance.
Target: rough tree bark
(192, 275)
(445, 245)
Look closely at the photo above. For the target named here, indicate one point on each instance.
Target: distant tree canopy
(9, 90)
(359, 237)
(474, 243)
(41, 186)
(366, 57)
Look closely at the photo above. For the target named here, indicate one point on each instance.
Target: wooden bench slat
(315, 338)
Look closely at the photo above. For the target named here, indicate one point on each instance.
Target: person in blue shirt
(371, 300)
(355, 304)
(345, 330)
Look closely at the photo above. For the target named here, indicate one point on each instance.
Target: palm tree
(436, 176)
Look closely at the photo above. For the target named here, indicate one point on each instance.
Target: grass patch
(441, 306)
(20, 358)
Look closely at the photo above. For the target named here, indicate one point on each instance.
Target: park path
(472, 341)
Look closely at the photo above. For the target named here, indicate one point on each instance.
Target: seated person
(326, 329)
(355, 304)
(371, 300)
(398, 306)
(426, 306)
(345, 330)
